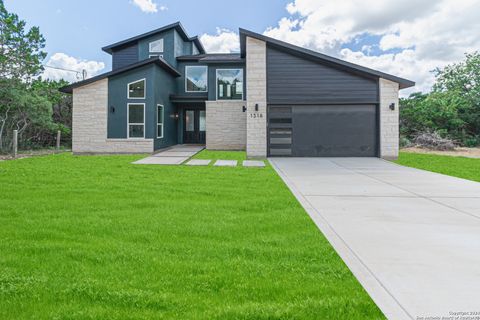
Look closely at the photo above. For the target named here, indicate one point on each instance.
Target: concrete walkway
(411, 237)
(174, 155)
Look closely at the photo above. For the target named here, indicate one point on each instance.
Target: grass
(461, 167)
(221, 155)
(96, 237)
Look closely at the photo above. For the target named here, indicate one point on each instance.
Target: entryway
(194, 126)
(174, 155)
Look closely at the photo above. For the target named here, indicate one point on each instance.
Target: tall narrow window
(229, 84)
(136, 90)
(136, 120)
(159, 121)
(202, 121)
(196, 78)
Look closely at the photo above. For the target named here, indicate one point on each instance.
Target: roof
(213, 58)
(404, 83)
(156, 60)
(177, 26)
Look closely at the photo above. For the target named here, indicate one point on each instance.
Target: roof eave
(159, 61)
(176, 25)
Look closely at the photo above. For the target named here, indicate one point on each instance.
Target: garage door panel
(334, 131)
(324, 131)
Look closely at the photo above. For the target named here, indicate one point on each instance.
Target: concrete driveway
(411, 237)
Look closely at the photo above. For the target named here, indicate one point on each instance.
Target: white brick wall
(89, 123)
(256, 94)
(389, 120)
(226, 125)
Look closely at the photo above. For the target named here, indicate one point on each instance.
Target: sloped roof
(156, 60)
(177, 26)
(348, 66)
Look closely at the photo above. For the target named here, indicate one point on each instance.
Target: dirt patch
(29, 154)
(458, 152)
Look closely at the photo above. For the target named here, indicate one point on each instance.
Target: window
(190, 121)
(229, 84)
(202, 121)
(136, 120)
(136, 90)
(159, 121)
(196, 78)
(156, 46)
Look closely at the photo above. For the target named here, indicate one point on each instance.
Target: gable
(296, 79)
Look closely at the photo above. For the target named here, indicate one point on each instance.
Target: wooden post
(15, 143)
(59, 135)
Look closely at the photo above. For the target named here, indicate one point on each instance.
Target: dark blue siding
(293, 79)
(124, 57)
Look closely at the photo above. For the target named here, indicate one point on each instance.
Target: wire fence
(19, 145)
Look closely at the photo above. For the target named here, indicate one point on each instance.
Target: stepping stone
(253, 163)
(226, 163)
(161, 160)
(198, 162)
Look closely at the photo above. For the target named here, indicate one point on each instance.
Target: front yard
(461, 167)
(96, 237)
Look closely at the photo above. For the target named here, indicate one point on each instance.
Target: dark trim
(404, 83)
(158, 61)
(177, 26)
(329, 103)
(185, 99)
(213, 58)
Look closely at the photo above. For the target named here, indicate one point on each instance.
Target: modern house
(270, 99)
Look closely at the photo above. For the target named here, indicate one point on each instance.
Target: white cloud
(148, 6)
(425, 34)
(223, 41)
(60, 61)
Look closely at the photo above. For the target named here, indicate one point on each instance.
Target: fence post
(15, 143)
(59, 135)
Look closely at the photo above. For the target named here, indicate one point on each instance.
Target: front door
(194, 125)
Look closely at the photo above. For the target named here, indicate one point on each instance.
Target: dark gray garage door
(323, 131)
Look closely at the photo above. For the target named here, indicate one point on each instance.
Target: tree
(462, 80)
(451, 109)
(21, 53)
(23, 106)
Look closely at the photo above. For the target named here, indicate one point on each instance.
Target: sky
(408, 38)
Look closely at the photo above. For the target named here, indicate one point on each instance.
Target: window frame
(144, 89)
(150, 46)
(229, 69)
(163, 121)
(134, 123)
(186, 78)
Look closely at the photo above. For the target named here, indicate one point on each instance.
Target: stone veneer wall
(226, 125)
(256, 94)
(389, 120)
(89, 123)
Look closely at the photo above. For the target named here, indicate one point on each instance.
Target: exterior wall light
(392, 106)
(112, 109)
(244, 109)
(256, 106)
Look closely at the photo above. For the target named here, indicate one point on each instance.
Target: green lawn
(221, 155)
(461, 167)
(99, 238)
